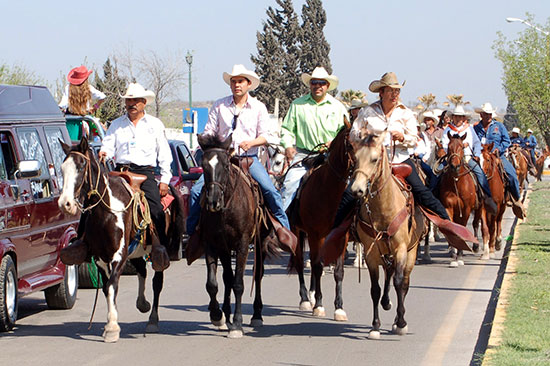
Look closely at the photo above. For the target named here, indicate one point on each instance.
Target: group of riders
(137, 142)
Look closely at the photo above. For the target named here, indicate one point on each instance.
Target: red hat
(78, 75)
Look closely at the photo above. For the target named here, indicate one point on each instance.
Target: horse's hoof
(427, 259)
(305, 306)
(308, 263)
(219, 323)
(143, 306)
(485, 256)
(256, 323)
(374, 334)
(400, 331)
(111, 336)
(340, 315)
(453, 264)
(387, 306)
(152, 328)
(475, 247)
(235, 333)
(319, 312)
(460, 262)
(492, 255)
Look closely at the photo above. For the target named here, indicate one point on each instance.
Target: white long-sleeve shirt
(474, 145)
(96, 95)
(144, 144)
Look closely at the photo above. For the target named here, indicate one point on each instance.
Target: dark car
(33, 230)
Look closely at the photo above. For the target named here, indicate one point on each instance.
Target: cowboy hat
(78, 75)
(516, 130)
(321, 73)
(486, 108)
(357, 103)
(240, 70)
(459, 111)
(135, 91)
(388, 79)
(428, 114)
(438, 112)
(529, 131)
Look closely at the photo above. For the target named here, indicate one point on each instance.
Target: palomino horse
(230, 222)
(314, 214)
(389, 225)
(519, 161)
(110, 229)
(458, 192)
(490, 162)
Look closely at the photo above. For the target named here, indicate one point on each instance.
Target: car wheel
(63, 295)
(88, 276)
(8, 294)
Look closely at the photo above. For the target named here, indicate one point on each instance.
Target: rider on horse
(472, 151)
(79, 95)
(246, 119)
(311, 121)
(516, 139)
(490, 131)
(530, 144)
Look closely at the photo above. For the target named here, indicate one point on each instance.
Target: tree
(348, 95)
(315, 48)
(455, 100)
(18, 75)
(113, 85)
(526, 75)
(427, 101)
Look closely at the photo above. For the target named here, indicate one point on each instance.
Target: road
(445, 311)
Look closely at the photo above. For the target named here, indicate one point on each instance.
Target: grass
(525, 339)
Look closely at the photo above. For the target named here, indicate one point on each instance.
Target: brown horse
(457, 192)
(539, 164)
(314, 215)
(490, 162)
(389, 225)
(519, 161)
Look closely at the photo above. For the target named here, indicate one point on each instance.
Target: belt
(304, 151)
(134, 167)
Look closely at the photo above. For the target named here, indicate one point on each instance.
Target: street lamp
(511, 20)
(189, 60)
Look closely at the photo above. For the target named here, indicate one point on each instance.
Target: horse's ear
(83, 147)
(66, 148)
(201, 140)
(346, 122)
(227, 142)
(449, 135)
(491, 145)
(464, 136)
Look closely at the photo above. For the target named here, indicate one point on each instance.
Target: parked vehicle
(32, 228)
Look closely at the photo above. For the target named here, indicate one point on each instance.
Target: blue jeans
(293, 178)
(512, 177)
(481, 177)
(272, 197)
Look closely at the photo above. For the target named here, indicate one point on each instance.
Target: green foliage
(113, 85)
(526, 75)
(347, 96)
(315, 48)
(18, 75)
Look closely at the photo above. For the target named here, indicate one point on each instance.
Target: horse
(313, 214)
(519, 161)
(458, 192)
(230, 222)
(539, 164)
(491, 165)
(276, 164)
(110, 231)
(389, 225)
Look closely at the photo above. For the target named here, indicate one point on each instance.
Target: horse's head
(341, 154)
(488, 157)
(369, 156)
(455, 151)
(76, 171)
(215, 165)
(277, 160)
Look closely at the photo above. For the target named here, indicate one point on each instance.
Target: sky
(440, 47)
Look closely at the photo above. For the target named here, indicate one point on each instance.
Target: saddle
(401, 171)
(134, 180)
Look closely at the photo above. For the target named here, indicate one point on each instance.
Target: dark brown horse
(457, 192)
(539, 163)
(228, 222)
(109, 231)
(314, 215)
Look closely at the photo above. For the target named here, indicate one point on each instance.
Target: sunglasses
(319, 82)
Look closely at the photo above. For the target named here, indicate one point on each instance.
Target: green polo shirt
(308, 123)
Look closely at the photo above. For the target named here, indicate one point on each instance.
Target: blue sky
(443, 47)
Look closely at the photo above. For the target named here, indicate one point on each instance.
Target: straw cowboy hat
(388, 79)
(240, 70)
(357, 103)
(135, 91)
(78, 75)
(459, 111)
(486, 108)
(321, 73)
(428, 114)
(516, 130)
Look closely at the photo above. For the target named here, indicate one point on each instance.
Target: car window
(3, 171)
(185, 157)
(33, 150)
(8, 153)
(53, 135)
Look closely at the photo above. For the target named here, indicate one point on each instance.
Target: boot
(76, 253)
(194, 248)
(335, 242)
(288, 240)
(518, 209)
(159, 254)
(490, 205)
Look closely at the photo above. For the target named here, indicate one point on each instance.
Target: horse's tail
(296, 261)
(177, 220)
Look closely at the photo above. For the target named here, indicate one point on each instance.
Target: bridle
(350, 160)
(222, 187)
(375, 177)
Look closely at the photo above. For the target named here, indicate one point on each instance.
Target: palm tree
(427, 101)
(455, 100)
(347, 96)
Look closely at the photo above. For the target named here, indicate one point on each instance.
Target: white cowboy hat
(438, 112)
(428, 114)
(357, 103)
(321, 73)
(240, 70)
(486, 108)
(459, 111)
(529, 131)
(516, 130)
(135, 90)
(388, 79)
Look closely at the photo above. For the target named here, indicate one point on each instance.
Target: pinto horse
(313, 214)
(109, 230)
(230, 222)
(458, 192)
(389, 225)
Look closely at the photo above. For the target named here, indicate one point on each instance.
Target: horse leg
(339, 313)
(316, 273)
(141, 303)
(216, 316)
(236, 329)
(305, 303)
(475, 225)
(111, 331)
(257, 320)
(485, 234)
(401, 285)
(153, 324)
(228, 281)
(426, 257)
(375, 296)
(386, 302)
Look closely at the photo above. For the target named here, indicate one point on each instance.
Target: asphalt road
(445, 311)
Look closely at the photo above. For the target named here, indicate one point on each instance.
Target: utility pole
(189, 60)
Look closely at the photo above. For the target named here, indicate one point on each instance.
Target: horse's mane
(211, 141)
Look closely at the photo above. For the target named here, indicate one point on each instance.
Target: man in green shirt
(312, 120)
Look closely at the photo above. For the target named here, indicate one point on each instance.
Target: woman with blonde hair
(79, 94)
